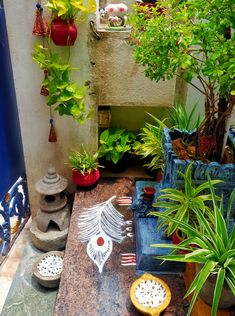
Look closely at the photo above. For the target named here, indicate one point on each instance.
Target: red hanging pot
(87, 179)
(63, 32)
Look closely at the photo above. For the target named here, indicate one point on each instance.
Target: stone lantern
(49, 228)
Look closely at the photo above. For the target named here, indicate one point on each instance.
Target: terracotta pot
(177, 237)
(63, 32)
(227, 298)
(87, 179)
(148, 193)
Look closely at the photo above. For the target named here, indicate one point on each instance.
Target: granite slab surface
(26, 297)
(83, 290)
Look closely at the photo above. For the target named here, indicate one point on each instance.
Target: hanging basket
(63, 32)
(86, 180)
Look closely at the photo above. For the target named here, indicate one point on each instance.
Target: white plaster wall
(195, 97)
(33, 111)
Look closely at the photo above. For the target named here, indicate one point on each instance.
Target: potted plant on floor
(61, 91)
(184, 205)
(213, 250)
(193, 39)
(63, 31)
(85, 168)
(115, 143)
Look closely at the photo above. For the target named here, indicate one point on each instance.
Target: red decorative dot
(121, 9)
(100, 241)
(111, 9)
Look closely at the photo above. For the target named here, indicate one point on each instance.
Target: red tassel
(44, 91)
(52, 135)
(40, 27)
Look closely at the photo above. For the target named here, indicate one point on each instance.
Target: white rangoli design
(100, 225)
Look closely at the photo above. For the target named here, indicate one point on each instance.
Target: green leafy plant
(150, 144)
(180, 118)
(69, 9)
(214, 249)
(65, 94)
(83, 161)
(192, 39)
(184, 205)
(114, 143)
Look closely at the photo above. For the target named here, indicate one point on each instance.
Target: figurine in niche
(116, 14)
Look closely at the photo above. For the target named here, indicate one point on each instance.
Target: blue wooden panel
(147, 234)
(11, 153)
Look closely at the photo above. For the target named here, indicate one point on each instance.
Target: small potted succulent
(64, 12)
(85, 168)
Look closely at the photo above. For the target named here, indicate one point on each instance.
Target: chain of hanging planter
(41, 29)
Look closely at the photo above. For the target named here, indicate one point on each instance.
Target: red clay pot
(87, 179)
(176, 237)
(148, 193)
(63, 32)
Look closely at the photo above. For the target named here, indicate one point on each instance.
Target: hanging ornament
(44, 91)
(52, 135)
(40, 27)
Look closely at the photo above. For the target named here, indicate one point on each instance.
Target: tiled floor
(9, 266)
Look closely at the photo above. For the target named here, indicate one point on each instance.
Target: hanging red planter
(63, 32)
(87, 179)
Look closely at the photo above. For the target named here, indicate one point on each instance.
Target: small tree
(192, 39)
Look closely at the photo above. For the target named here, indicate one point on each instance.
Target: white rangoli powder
(51, 265)
(150, 293)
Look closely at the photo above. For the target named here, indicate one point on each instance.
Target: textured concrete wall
(33, 111)
(118, 80)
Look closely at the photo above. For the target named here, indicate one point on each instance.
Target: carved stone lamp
(49, 228)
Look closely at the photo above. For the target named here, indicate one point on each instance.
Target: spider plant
(180, 118)
(214, 250)
(150, 144)
(83, 161)
(184, 205)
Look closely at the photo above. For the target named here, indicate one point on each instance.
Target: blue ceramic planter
(200, 170)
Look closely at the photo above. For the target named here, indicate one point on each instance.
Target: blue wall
(11, 153)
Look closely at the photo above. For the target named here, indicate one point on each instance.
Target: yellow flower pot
(140, 284)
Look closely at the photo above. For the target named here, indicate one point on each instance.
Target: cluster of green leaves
(150, 144)
(187, 40)
(83, 161)
(68, 97)
(184, 205)
(69, 9)
(214, 249)
(180, 118)
(114, 143)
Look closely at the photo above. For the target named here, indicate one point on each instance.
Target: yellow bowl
(152, 311)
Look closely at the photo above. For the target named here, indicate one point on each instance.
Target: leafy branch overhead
(189, 42)
(68, 97)
(192, 39)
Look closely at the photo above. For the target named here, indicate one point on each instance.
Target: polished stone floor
(20, 294)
